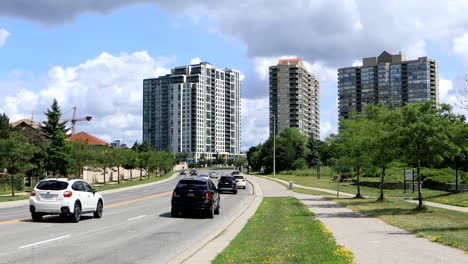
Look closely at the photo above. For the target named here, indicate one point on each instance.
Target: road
(136, 228)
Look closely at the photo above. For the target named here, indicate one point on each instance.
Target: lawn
(458, 199)
(292, 236)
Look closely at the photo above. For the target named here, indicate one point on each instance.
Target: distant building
(193, 110)
(389, 79)
(87, 139)
(31, 130)
(115, 144)
(294, 98)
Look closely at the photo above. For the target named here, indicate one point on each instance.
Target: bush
(299, 164)
(19, 182)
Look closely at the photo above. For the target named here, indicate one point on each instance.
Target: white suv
(69, 198)
(240, 181)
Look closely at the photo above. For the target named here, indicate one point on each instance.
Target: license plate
(190, 194)
(48, 196)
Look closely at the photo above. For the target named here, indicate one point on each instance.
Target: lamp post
(274, 145)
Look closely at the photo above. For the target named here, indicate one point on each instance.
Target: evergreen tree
(313, 158)
(53, 125)
(58, 155)
(4, 126)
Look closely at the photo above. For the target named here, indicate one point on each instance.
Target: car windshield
(194, 185)
(52, 185)
(239, 177)
(227, 178)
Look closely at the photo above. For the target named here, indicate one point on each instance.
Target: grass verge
(438, 225)
(283, 230)
(457, 199)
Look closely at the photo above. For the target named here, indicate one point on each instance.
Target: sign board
(408, 175)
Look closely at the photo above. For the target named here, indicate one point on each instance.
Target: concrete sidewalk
(370, 239)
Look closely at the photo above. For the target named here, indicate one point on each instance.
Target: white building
(193, 110)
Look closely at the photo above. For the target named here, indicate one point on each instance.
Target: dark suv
(227, 183)
(197, 194)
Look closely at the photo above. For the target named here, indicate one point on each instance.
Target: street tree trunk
(358, 195)
(381, 197)
(118, 174)
(420, 198)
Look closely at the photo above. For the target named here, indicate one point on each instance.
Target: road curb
(206, 249)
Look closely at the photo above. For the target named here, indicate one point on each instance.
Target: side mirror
(94, 191)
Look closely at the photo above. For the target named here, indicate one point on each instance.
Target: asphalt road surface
(136, 228)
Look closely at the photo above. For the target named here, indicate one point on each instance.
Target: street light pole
(274, 146)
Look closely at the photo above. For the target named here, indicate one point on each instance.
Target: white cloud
(195, 60)
(255, 121)
(107, 87)
(4, 34)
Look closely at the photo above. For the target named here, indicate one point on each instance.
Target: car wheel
(99, 210)
(216, 211)
(36, 217)
(235, 192)
(76, 216)
(210, 212)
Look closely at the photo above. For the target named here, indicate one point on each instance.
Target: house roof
(28, 122)
(85, 138)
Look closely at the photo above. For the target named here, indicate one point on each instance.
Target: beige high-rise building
(389, 79)
(294, 98)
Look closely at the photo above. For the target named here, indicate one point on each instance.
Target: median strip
(43, 242)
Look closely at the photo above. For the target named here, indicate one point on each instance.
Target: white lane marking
(134, 218)
(125, 194)
(45, 241)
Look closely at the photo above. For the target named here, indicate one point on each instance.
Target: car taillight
(208, 196)
(174, 194)
(33, 193)
(67, 194)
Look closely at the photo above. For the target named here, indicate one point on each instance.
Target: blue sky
(94, 55)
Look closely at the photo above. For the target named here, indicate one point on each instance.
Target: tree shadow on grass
(394, 211)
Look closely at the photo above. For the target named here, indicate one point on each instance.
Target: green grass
(13, 198)
(283, 230)
(457, 199)
(438, 225)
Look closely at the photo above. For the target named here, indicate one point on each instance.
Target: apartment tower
(389, 79)
(195, 110)
(294, 98)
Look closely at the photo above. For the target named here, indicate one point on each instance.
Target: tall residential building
(294, 98)
(193, 110)
(389, 79)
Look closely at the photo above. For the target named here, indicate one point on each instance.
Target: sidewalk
(370, 239)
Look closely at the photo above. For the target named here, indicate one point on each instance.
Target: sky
(94, 55)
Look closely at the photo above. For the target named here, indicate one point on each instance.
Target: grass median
(283, 230)
(438, 225)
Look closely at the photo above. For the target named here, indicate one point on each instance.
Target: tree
(5, 127)
(379, 138)
(423, 137)
(58, 157)
(181, 156)
(130, 160)
(53, 125)
(313, 158)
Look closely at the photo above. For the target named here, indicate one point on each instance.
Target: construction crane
(73, 120)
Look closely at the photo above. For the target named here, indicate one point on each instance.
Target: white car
(68, 198)
(203, 176)
(241, 181)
